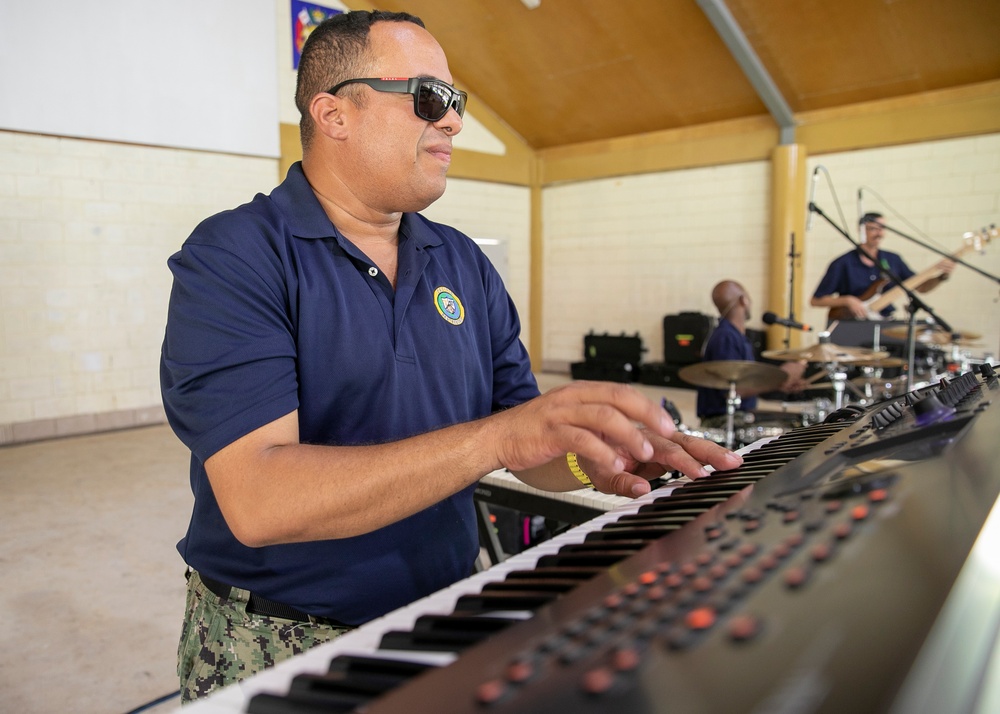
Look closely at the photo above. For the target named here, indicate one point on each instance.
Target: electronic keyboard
(847, 566)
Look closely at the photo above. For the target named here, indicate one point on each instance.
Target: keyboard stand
(488, 539)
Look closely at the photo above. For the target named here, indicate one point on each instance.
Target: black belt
(257, 605)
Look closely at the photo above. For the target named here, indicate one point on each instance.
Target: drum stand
(733, 402)
(838, 377)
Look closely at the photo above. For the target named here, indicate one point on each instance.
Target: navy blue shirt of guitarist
(855, 279)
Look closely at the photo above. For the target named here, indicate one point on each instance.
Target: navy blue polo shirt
(272, 310)
(725, 343)
(847, 275)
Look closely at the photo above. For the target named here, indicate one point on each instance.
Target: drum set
(854, 375)
(941, 352)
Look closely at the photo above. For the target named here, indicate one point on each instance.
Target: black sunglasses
(432, 98)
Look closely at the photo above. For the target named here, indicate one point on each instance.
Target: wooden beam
(728, 142)
(929, 116)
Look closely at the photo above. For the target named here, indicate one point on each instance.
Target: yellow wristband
(574, 467)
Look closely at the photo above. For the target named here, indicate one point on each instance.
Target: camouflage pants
(221, 643)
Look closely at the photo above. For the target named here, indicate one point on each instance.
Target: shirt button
(373, 271)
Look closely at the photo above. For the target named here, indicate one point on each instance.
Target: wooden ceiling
(572, 71)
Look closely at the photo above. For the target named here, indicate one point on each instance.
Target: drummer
(729, 341)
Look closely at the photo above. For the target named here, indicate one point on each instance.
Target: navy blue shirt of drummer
(272, 310)
(848, 275)
(725, 343)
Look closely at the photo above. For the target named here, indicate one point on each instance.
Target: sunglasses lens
(436, 98)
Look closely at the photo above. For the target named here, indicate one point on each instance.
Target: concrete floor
(92, 585)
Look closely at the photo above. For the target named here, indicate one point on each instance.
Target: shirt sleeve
(513, 380)
(728, 346)
(901, 268)
(832, 281)
(228, 357)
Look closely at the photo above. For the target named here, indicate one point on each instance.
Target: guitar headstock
(977, 240)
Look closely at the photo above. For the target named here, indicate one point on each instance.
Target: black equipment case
(610, 358)
(684, 336)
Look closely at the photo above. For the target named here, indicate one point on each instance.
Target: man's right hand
(593, 419)
(622, 437)
(856, 306)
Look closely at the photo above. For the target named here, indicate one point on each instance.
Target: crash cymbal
(750, 377)
(825, 352)
(933, 335)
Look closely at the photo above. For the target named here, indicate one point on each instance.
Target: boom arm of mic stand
(940, 252)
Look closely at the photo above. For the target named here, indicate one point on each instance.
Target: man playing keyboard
(344, 371)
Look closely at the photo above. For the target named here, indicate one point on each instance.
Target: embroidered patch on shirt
(449, 306)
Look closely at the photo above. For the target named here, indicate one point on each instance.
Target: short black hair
(337, 50)
(869, 217)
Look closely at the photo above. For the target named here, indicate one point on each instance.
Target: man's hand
(794, 382)
(856, 306)
(621, 438)
(593, 419)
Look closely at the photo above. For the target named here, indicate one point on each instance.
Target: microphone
(770, 318)
(812, 195)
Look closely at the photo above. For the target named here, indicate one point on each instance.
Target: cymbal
(750, 377)
(825, 352)
(933, 335)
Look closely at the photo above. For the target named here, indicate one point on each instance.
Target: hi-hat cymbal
(825, 352)
(750, 377)
(933, 335)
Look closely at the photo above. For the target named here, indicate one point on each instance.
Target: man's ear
(330, 114)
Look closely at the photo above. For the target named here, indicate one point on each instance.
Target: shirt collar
(306, 218)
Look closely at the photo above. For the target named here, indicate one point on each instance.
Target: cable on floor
(155, 702)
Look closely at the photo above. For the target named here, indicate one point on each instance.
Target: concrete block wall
(621, 253)
(86, 228)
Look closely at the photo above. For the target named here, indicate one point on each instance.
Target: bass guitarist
(854, 278)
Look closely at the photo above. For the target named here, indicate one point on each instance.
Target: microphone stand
(915, 302)
(791, 290)
(940, 252)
